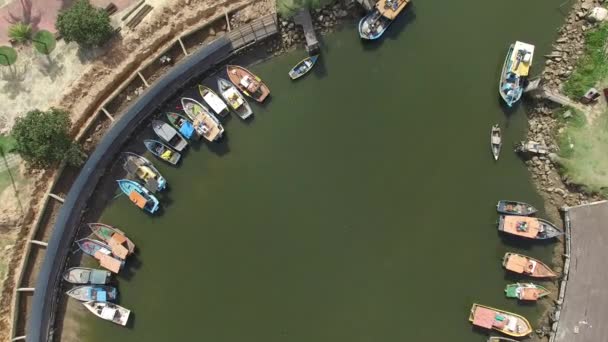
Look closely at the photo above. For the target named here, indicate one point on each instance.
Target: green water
(358, 205)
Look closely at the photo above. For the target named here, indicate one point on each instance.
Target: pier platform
(302, 18)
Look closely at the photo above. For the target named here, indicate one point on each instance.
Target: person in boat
(522, 226)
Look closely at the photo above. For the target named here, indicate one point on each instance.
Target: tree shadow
(27, 15)
(14, 78)
(50, 68)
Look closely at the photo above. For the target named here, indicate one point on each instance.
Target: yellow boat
(506, 322)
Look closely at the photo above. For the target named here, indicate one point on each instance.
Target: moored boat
(139, 195)
(141, 168)
(505, 322)
(528, 227)
(100, 293)
(501, 339)
(119, 243)
(108, 311)
(247, 82)
(526, 291)
(375, 23)
(303, 67)
(515, 70)
(495, 141)
(205, 123)
(531, 147)
(515, 208)
(213, 101)
(234, 98)
(183, 125)
(169, 135)
(162, 151)
(101, 252)
(526, 265)
(86, 275)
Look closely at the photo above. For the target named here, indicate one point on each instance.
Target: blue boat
(375, 23)
(515, 70)
(139, 195)
(303, 67)
(100, 293)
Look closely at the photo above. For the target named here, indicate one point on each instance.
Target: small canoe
(234, 98)
(85, 275)
(528, 227)
(141, 168)
(108, 311)
(526, 265)
(501, 339)
(303, 67)
(205, 123)
(515, 208)
(100, 293)
(139, 195)
(526, 291)
(162, 151)
(495, 141)
(183, 125)
(101, 252)
(169, 135)
(515, 70)
(247, 82)
(119, 243)
(505, 322)
(213, 101)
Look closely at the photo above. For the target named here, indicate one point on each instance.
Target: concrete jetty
(302, 18)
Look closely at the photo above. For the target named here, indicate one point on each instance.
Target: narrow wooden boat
(119, 243)
(162, 151)
(526, 265)
(213, 101)
(506, 322)
(141, 168)
(100, 293)
(247, 82)
(526, 291)
(375, 23)
(495, 141)
(515, 70)
(86, 275)
(205, 123)
(528, 227)
(108, 311)
(303, 67)
(234, 98)
(102, 253)
(183, 125)
(169, 135)
(515, 208)
(501, 339)
(139, 195)
(531, 147)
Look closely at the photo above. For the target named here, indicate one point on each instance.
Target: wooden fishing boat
(531, 147)
(141, 168)
(526, 291)
(303, 67)
(183, 125)
(205, 123)
(108, 311)
(247, 82)
(139, 195)
(85, 275)
(375, 23)
(119, 243)
(234, 98)
(505, 322)
(515, 208)
(100, 293)
(168, 134)
(501, 339)
(495, 141)
(526, 265)
(102, 253)
(162, 151)
(528, 227)
(515, 70)
(213, 101)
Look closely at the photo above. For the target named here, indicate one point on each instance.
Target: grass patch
(7, 143)
(583, 148)
(287, 8)
(591, 67)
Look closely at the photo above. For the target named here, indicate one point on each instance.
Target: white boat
(235, 99)
(108, 311)
(205, 123)
(515, 70)
(215, 102)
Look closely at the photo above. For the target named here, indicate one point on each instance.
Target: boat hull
(85, 275)
(515, 82)
(129, 187)
(526, 291)
(169, 135)
(236, 101)
(162, 151)
(109, 312)
(495, 141)
(183, 125)
(515, 208)
(205, 123)
(303, 67)
(237, 75)
(93, 292)
(213, 101)
(528, 227)
(521, 264)
(155, 182)
(105, 233)
(505, 322)
(373, 26)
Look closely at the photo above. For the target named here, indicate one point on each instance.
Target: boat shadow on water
(132, 265)
(394, 31)
(524, 244)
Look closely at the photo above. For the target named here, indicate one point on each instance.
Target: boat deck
(531, 224)
(214, 131)
(384, 7)
(517, 263)
(521, 68)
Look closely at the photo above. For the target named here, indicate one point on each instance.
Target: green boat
(526, 291)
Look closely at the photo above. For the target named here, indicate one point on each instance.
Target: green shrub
(20, 32)
(84, 24)
(592, 66)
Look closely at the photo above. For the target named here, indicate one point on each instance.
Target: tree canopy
(84, 24)
(42, 138)
(44, 42)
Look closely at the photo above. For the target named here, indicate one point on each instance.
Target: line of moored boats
(515, 219)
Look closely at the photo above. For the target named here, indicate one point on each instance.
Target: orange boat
(528, 266)
(248, 82)
(528, 227)
(506, 322)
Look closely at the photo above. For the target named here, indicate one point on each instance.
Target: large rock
(597, 14)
